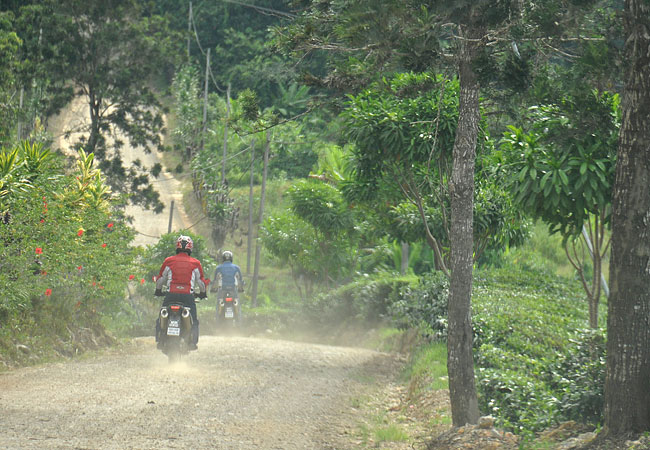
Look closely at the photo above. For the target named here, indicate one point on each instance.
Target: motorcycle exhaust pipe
(164, 313)
(186, 313)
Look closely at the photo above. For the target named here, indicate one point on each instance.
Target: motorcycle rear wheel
(173, 351)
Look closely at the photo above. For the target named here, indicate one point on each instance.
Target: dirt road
(233, 393)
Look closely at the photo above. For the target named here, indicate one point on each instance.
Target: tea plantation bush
(536, 365)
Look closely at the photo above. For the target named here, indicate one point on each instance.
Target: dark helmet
(226, 256)
(184, 244)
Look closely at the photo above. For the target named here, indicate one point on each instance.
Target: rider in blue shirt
(228, 277)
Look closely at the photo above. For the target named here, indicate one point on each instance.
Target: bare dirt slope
(233, 393)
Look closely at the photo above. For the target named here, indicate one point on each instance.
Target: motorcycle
(175, 330)
(228, 310)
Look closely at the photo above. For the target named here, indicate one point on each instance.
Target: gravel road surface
(233, 393)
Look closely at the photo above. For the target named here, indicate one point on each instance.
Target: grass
(379, 431)
(428, 368)
(390, 433)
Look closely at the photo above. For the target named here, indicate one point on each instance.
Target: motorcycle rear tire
(173, 351)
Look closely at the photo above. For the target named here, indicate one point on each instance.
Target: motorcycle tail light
(175, 307)
(229, 299)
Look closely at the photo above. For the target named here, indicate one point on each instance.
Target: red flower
(142, 281)
(43, 272)
(80, 232)
(39, 251)
(48, 292)
(100, 287)
(42, 220)
(79, 268)
(94, 283)
(131, 277)
(110, 225)
(104, 245)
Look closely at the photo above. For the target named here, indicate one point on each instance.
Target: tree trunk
(249, 242)
(94, 138)
(627, 385)
(225, 137)
(460, 364)
(258, 246)
(404, 266)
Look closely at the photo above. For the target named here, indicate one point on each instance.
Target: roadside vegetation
(333, 178)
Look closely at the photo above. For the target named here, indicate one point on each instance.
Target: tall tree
(109, 53)
(627, 386)
(471, 39)
(562, 172)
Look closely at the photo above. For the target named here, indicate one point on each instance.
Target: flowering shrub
(60, 265)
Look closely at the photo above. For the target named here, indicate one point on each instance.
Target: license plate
(229, 313)
(173, 329)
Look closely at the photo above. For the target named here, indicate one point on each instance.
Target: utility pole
(258, 246)
(171, 217)
(20, 120)
(205, 99)
(225, 137)
(404, 266)
(189, 32)
(249, 245)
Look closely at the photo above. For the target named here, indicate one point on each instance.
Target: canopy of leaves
(402, 125)
(562, 170)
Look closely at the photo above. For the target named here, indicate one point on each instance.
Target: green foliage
(317, 240)
(21, 169)
(520, 402)
(534, 365)
(322, 206)
(109, 55)
(250, 108)
(65, 255)
(9, 46)
(294, 152)
(409, 119)
(424, 304)
(188, 110)
(292, 241)
(367, 299)
(578, 376)
(562, 171)
(404, 130)
(429, 362)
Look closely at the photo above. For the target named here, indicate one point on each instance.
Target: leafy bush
(424, 303)
(369, 299)
(578, 375)
(534, 369)
(520, 402)
(64, 253)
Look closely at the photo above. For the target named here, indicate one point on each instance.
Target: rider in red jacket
(182, 276)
